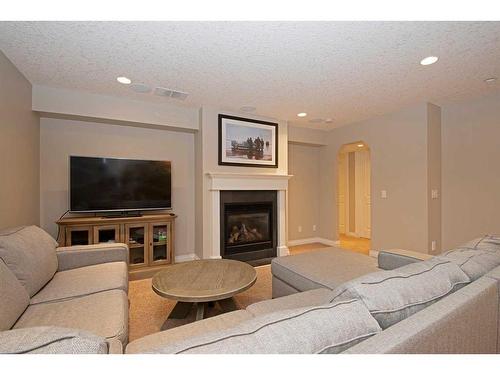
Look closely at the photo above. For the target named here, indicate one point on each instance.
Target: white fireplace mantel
(254, 181)
(242, 181)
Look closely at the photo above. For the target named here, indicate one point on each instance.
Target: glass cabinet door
(106, 234)
(159, 241)
(78, 236)
(137, 241)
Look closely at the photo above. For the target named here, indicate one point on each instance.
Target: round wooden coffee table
(201, 282)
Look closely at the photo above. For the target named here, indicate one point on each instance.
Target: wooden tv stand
(150, 238)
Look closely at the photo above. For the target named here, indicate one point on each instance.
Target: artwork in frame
(247, 143)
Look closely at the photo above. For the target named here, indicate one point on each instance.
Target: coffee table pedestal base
(182, 309)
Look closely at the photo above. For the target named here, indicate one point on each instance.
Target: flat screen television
(109, 184)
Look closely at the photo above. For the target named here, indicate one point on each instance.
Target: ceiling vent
(140, 88)
(169, 93)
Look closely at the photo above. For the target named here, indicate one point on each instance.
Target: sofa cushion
(474, 262)
(314, 297)
(186, 331)
(84, 281)
(30, 253)
(104, 314)
(51, 340)
(14, 298)
(488, 242)
(329, 328)
(392, 296)
(326, 268)
(394, 258)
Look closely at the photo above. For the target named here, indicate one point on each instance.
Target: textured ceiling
(347, 71)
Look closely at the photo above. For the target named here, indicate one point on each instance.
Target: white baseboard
(302, 241)
(186, 258)
(283, 251)
(306, 241)
(374, 253)
(328, 242)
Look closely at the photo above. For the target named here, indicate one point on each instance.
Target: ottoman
(325, 268)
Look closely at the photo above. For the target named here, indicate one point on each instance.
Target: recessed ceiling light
(124, 80)
(490, 80)
(248, 108)
(328, 120)
(302, 114)
(429, 60)
(360, 145)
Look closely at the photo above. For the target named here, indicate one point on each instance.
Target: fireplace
(248, 225)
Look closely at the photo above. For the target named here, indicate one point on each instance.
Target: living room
(329, 188)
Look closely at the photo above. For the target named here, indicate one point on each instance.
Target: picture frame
(247, 142)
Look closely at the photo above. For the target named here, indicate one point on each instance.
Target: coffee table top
(204, 280)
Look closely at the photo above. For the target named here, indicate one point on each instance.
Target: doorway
(354, 197)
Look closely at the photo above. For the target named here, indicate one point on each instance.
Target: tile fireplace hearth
(248, 225)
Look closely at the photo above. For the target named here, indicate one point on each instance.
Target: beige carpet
(148, 311)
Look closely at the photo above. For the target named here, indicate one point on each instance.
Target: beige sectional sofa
(330, 301)
(61, 299)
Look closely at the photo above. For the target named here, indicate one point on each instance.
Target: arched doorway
(354, 197)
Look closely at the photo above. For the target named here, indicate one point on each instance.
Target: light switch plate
(434, 194)
(383, 194)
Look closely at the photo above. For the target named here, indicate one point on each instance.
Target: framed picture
(247, 143)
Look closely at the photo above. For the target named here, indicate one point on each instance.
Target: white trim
(306, 241)
(328, 242)
(374, 253)
(186, 258)
(241, 181)
(283, 251)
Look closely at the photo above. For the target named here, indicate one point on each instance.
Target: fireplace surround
(248, 225)
(219, 182)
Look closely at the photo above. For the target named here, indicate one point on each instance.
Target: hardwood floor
(357, 244)
(305, 248)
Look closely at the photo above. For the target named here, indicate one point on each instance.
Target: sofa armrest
(51, 340)
(394, 258)
(88, 255)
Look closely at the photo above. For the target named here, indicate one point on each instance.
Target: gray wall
(19, 150)
(398, 150)
(303, 191)
(61, 138)
(471, 172)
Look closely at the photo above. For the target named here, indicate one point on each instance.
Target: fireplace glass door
(247, 228)
(248, 225)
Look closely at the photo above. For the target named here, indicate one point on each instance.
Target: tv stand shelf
(150, 238)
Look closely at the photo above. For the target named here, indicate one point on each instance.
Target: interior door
(363, 197)
(367, 195)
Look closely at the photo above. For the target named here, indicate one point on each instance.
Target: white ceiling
(348, 71)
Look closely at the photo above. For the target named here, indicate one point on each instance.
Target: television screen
(107, 184)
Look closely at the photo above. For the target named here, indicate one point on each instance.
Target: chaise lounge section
(443, 304)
